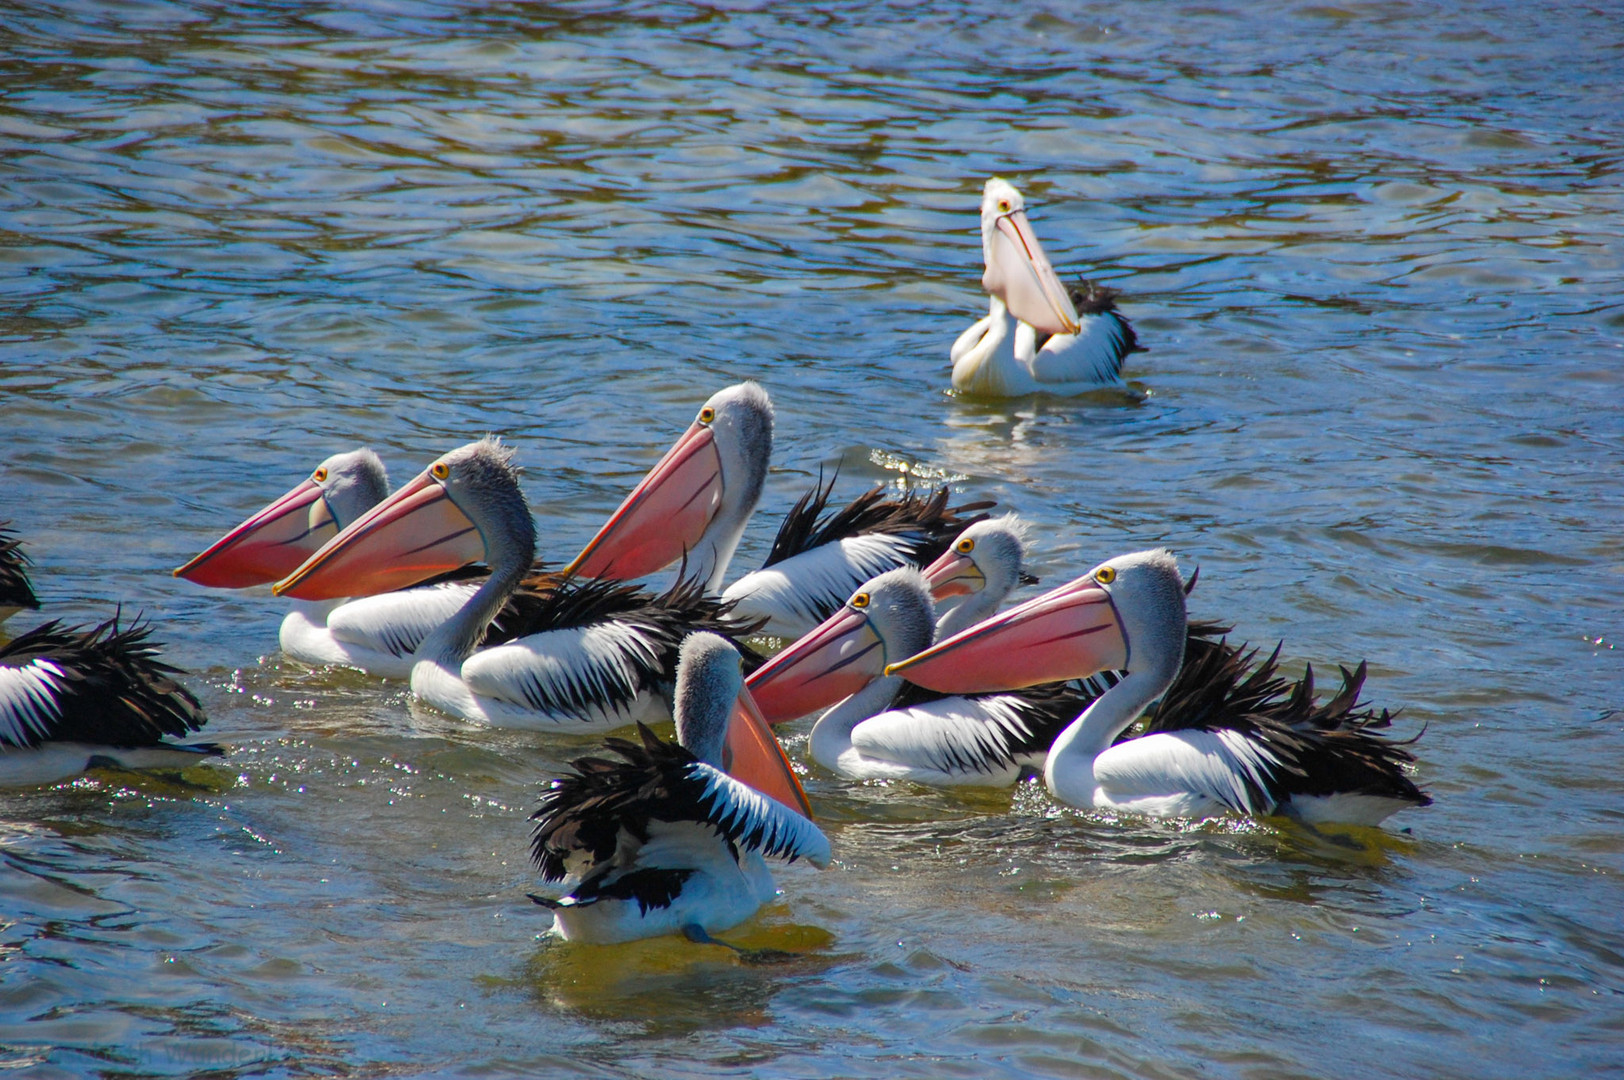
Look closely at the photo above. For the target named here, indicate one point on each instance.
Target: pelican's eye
(440, 470)
(320, 475)
(860, 601)
(965, 546)
(1003, 206)
(707, 414)
(1105, 575)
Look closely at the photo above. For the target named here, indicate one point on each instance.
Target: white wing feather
(1212, 765)
(798, 593)
(565, 670)
(953, 735)
(28, 707)
(1091, 356)
(755, 821)
(397, 622)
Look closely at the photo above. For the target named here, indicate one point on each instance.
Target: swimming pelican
(698, 498)
(1036, 336)
(881, 727)
(73, 699)
(665, 841)
(591, 656)
(1244, 747)
(16, 592)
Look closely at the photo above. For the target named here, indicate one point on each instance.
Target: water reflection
(670, 988)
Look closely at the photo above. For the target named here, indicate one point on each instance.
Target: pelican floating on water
(881, 727)
(1036, 336)
(1226, 739)
(664, 840)
(73, 699)
(698, 498)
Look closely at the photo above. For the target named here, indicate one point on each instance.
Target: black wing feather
(924, 519)
(113, 689)
(1092, 298)
(549, 602)
(585, 813)
(1323, 749)
(15, 588)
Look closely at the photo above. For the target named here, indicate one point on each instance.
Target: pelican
(16, 592)
(377, 633)
(589, 657)
(1241, 749)
(883, 729)
(73, 699)
(1036, 337)
(664, 841)
(697, 499)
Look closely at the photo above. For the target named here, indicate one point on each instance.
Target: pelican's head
(989, 557)
(889, 617)
(1017, 270)
(1126, 614)
(465, 507)
(696, 500)
(284, 534)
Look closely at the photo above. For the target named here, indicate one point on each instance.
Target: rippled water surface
(1375, 250)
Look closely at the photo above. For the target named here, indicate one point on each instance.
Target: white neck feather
(831, 735)
(1069, 770)
(1000, 324)
(969, 611)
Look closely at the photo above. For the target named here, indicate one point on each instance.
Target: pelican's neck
(709, 558)
(454, 640)
(831, 735)
(978, 369)
(1068, 772)
(968, 611)
(1024, 349)
(316, 611)
(703, 713)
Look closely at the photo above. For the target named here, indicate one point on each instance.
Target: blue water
(1375, 250)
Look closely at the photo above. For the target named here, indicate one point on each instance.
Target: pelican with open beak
(1037, 336)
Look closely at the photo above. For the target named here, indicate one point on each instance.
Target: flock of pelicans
(1103, 685)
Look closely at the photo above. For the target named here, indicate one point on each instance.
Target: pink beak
(411, 536)
(953, 574)
(839, 657)
(664, 516)
(1066, 633)
(753, 756)
(267, 545)
(1020, 274)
